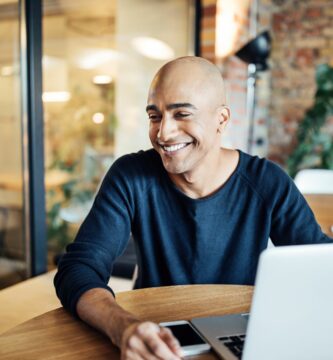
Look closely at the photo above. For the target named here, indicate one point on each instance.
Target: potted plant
(314, 147)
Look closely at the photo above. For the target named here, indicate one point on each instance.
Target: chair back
(315, 181)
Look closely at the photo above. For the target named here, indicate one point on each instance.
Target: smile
(174, 148)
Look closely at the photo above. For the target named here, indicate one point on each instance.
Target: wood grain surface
(36, 296)
(57, 335)
(322, 207)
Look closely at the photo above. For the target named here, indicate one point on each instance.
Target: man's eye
(182, 114)
(153, 117)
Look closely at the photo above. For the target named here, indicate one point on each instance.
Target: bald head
(194, 75)
(187, 112)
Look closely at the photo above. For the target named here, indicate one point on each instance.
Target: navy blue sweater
(180, 240)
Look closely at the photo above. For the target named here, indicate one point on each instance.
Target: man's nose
(167, 129)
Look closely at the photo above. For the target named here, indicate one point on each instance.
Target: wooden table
(56, 334)
(322, 206)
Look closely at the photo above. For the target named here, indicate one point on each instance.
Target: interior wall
(302, 37)
(135, 70)
(234, 23)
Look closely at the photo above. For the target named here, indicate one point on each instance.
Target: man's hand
(137, 340)
(148, 341)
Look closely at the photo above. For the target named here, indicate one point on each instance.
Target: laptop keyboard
(234, 343)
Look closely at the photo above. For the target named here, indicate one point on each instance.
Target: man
(198, 213)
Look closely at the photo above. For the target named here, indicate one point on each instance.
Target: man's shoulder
(255, 165)
(262, 174)
(141, 157)
(143, 162)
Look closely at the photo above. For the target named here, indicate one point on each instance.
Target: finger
(168, 337)
(150, 335)
(128, 354)
(138, 347)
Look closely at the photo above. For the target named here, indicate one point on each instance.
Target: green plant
(58, 229)
(315, 148)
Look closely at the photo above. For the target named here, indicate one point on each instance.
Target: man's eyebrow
(180, 105)
(151, 107)
(171, 106)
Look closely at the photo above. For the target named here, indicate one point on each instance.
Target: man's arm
(85, 268)
(293, 221)
(136, 339)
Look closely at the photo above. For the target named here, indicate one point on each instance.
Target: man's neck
(205, 180)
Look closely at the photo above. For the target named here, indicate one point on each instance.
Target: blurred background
(74, 77)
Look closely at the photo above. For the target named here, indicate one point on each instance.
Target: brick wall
(235, 74)
(207, 35)
(303, 38)
(302, 35)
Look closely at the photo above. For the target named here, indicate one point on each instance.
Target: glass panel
(99, 58)
(12, 245)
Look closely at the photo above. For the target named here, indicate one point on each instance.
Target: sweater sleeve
(293, 221)
(102, 237)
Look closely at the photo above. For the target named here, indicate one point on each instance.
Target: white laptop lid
(292, 309)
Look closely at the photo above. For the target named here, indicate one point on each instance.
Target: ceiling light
(102, 79)
(96, 57)
(153, 48)
(98, 118)
(56, 96)
(7, 71)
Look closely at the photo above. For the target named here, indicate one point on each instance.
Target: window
(99, 58)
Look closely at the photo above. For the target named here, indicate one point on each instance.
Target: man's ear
(223, 116)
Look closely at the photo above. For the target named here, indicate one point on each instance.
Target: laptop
(291, 313)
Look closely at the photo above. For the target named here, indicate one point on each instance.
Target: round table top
(56, 334)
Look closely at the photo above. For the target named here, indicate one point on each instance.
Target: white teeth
(174, 147)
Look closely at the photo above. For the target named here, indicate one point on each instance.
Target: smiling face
(187, 113)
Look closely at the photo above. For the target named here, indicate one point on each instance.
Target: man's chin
(171, 164)
(174, 169)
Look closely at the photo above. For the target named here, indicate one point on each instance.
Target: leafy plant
(58, 229)
(315, 148)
